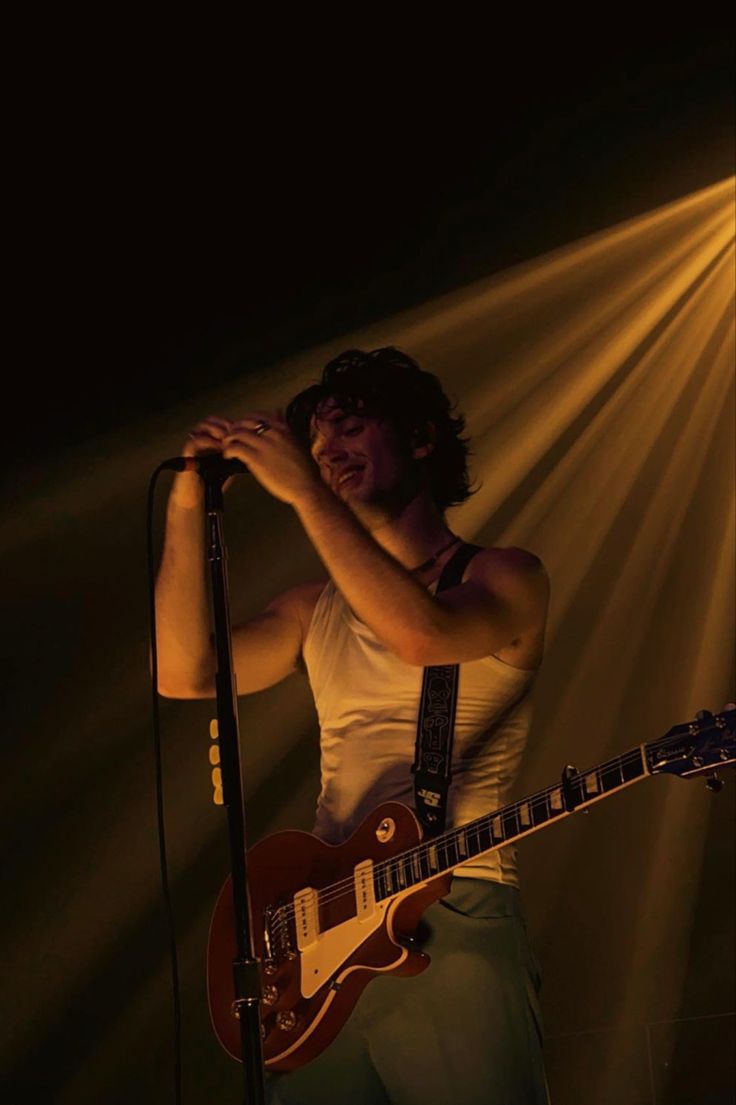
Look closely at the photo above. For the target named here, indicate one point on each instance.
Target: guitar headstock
(696, 748)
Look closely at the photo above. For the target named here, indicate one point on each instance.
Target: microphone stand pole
(245, 967)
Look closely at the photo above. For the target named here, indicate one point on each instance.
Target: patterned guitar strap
(432, 768)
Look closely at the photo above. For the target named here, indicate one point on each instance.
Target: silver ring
(261, 427)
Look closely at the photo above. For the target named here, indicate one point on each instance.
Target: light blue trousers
(467, 1031)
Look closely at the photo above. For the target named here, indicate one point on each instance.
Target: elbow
(417, 651)
(423, 646)
(181, 678)
(173, 685)
(167, 689)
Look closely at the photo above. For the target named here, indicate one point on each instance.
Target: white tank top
(367, 702)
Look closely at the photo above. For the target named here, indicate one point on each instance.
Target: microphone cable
(156, 718)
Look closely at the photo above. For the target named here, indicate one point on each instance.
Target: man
(370, 459)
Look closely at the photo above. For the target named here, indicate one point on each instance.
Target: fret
(389, 879)
(633, 768)
(497, 829)
(611, 776)
(555, 801)
(425, 864)
(538, 810)
(452, 851)
(482, 837)
(473, 836)
(434, 863)
(462, 843)
(416, 867)
(510, 824)
(525, 816)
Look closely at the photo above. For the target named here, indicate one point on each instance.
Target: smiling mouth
(348, 476)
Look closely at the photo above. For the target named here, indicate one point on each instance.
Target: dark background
(177, 227)
(177, 230)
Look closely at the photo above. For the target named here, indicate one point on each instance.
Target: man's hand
(264, 442)
(207, 436)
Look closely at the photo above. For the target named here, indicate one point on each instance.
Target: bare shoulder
(510, 571)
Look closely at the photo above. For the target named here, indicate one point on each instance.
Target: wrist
(187, 492)
(313, 496)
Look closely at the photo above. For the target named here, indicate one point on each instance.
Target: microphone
(208, 465)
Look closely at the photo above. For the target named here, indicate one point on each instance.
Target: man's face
(361, 460)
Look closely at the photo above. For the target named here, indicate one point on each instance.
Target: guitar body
(326, 920)
(318, 952)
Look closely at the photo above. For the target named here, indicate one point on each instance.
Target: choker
(433, 559)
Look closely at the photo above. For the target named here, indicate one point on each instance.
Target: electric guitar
(327, 919)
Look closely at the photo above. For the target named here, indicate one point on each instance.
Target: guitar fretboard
(458, 846)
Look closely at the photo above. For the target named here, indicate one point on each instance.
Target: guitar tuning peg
(713, 783)
(703, 714)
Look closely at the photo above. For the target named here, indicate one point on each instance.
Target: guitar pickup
(365, 895)
(306, 917)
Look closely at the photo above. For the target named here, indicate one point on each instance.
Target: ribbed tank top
(367, 702)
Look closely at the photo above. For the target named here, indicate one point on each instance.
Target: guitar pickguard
(320, 960)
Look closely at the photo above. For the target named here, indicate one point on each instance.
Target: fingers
(226, 435)
(254, 432)
(207, 436)
(252, 422)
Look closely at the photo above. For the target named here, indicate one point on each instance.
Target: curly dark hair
(388, 384)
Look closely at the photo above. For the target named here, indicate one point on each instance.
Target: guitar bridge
(278, 936)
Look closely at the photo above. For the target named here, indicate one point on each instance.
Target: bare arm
(505, 595)
(185, 659)
(265, 649)
(502, 603)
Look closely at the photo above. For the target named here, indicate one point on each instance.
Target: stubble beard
(386, 505)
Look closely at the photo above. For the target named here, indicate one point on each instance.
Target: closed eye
(318, 446)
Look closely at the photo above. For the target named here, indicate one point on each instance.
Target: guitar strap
(432, 768)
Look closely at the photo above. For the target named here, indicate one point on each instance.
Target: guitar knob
(269, 994)
(286, 1020)
(713, 783)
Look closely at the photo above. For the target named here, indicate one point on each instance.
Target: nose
(329, 451)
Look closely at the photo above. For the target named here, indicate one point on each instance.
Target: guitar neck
(456, 847)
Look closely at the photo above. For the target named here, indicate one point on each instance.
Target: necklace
(433, 559)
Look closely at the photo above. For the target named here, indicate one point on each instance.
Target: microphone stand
(245, 967)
